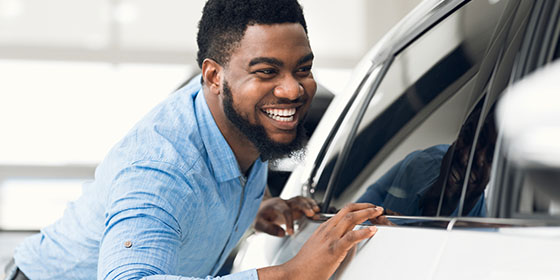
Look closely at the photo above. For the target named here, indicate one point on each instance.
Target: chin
(283, 139)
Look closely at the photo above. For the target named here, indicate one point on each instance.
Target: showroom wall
(76, 75)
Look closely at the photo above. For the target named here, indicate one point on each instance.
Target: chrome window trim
(348, 142)
(451, 223)
(439, 13)
(318, 166)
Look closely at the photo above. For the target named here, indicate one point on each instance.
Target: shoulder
(427, 160)
(169, 133)
(433, 153)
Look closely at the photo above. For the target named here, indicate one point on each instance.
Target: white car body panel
(520, 253)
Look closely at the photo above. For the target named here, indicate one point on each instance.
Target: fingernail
(373, 228)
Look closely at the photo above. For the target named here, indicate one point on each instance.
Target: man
(176, 194)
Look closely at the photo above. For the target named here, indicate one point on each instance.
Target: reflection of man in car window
(414, 185)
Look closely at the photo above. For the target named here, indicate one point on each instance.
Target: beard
(268, 148)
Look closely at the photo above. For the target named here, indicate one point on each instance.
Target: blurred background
(75, 75)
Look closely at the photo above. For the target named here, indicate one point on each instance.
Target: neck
(245, 152)
(243, 149)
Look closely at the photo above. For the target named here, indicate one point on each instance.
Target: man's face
(268, 86)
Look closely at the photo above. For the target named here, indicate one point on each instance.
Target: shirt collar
(221, 157)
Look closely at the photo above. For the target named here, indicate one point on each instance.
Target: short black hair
(224, 22)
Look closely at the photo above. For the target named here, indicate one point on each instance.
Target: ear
(211, 73)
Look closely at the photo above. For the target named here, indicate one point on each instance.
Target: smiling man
(263, 93)
(172, 199)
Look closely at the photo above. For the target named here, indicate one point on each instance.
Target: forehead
(285, 42)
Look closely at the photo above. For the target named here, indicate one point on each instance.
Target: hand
(321, 255)
(382, 220)
(275, 212)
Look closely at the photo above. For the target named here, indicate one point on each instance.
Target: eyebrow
(268, 60)
(277, 62)
(305, 58)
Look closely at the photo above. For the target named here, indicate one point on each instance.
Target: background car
(416, 89)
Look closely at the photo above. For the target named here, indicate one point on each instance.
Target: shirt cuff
(243, 275)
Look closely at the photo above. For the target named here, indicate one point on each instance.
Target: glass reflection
(416, 185)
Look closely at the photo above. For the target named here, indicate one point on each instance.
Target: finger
(351, 219)
(381, 220)
(303, 206)
(352, 237)
(352, 207)
(309, 211)
(391, 212)
(311, 205)
(289, 221)
(270, 228)
(315, 207)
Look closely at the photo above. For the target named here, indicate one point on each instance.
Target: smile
(281, 115)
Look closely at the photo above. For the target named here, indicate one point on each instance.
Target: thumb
(270, 228)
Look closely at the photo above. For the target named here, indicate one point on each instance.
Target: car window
(415, 114)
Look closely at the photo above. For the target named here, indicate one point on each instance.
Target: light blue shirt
(169, 199)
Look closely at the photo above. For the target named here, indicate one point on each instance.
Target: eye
(266, 73)
(304, 71)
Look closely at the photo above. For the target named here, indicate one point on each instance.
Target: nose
(289, 88)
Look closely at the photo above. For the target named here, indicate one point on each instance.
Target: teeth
(282, 119)
(281, 112)
(283, 115)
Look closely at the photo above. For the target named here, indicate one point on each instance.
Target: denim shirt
(168, 200)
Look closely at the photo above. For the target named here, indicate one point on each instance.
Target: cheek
(310, 86)
(246, 101)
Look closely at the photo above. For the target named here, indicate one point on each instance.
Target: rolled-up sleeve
(244, 275)
(147, 209)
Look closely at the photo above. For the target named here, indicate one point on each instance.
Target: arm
(325, 250)
(143, 231)
(377, 191)
(144, 225)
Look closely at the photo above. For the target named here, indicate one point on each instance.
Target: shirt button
(128, 244)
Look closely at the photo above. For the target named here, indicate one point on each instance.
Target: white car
(445, 65)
